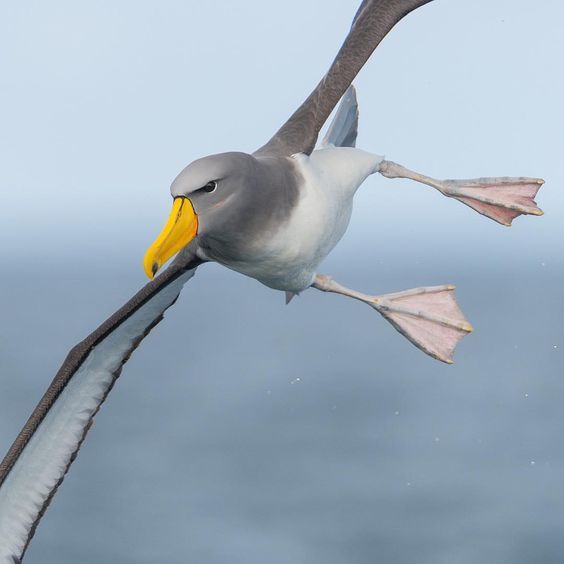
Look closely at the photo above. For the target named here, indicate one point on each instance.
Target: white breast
(289, 258)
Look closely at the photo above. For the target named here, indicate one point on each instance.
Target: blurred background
(243, 430)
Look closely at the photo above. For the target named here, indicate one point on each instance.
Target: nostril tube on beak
(180, 229)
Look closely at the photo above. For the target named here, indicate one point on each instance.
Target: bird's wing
(373, 20)
(42, 453)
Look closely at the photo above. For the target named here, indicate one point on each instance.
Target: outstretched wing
(373, 20)
(41, 455)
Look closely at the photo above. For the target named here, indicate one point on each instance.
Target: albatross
(272, 215)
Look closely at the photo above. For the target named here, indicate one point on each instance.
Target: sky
(103, 103)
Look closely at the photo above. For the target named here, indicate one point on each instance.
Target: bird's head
(204, 195)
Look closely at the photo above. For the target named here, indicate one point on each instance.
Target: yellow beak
(180, 229)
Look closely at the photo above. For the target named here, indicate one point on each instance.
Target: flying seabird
(273, 215)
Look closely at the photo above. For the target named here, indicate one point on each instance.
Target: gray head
(225, 202)
(215, 186)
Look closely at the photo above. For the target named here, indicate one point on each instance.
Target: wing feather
(372, 22)
(41, 455)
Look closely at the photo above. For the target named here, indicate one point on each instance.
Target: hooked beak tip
(151, 268)
(180, 229)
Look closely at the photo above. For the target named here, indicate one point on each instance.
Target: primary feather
(31, 480)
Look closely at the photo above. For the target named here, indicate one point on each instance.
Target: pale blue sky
(103, 103)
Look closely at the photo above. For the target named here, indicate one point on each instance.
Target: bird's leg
(429, 317)
(499, 198)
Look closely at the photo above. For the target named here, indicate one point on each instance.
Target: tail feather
(344, 128)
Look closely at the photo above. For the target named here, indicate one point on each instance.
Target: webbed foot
(499, 198)
(429, 317)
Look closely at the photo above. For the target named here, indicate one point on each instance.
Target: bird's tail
(344, 128)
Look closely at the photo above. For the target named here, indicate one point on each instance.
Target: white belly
(288, 260)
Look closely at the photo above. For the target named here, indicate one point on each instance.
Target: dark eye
(209, 187)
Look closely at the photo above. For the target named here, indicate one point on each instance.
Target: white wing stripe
(48, 454)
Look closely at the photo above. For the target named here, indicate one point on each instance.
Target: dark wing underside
(373, 20)
(39, 458)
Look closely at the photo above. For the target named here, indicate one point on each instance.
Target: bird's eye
(209, 187)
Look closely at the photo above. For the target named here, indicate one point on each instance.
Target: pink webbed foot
(500, 198)
(429, 317)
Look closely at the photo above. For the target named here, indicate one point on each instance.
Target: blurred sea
(246, 431)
